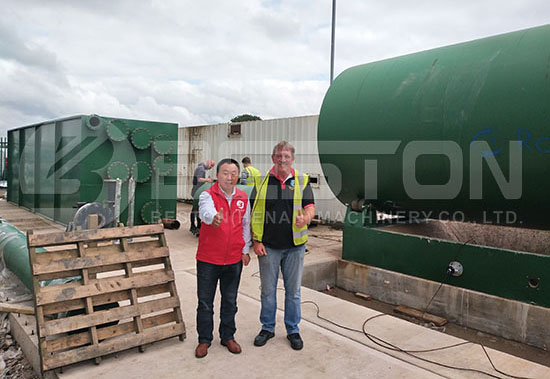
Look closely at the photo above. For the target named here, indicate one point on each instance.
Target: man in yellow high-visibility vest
(283, 206)
(250, 175)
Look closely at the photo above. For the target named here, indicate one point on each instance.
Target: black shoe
(262, 338)
(295, 341)
(193, 229)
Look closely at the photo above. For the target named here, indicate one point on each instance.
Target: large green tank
(403, 133)
(54, 165)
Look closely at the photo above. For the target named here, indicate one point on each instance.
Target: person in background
(283, 206)
(223, 249)
(250, 175)
(199, 178)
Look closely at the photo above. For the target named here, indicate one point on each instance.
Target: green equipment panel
(54, 165)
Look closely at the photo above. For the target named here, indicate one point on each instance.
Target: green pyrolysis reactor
(55, 165)
(457, 133)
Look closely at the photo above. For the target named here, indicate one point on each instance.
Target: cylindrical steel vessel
(459, 132)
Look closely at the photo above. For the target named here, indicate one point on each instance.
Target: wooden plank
(133, 293)
(363, 296)
(52, 327)
(89, 305)
(64, 238)
(438, 321)
(114, 297)
(79, 339)
(71, 291)
(100, 269)
(90, 261)
(110, 346)
(37, 309)
(156, 320)
(173, 288)
(93, 222)
(102, 250)
(16, 308)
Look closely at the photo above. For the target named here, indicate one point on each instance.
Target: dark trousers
(229, 277)
(195, 216)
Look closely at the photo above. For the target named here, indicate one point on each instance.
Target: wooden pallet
(128, 268)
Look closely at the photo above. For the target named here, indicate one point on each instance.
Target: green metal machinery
(456, 133)
(53, 166)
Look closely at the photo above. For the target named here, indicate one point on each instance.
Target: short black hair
(246, 160)
(226, 161)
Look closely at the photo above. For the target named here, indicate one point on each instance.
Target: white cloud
(196, 62)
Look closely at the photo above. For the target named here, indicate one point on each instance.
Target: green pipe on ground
(15, 254)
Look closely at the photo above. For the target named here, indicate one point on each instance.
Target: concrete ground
(329, 350)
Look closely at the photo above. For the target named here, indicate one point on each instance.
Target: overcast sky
(204, 61)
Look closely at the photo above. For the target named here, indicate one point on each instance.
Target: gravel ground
(13, 363)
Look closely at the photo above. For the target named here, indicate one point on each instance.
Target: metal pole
(118, 198)
(131, 200)
(332, 41)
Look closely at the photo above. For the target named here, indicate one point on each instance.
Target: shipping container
(256, 140)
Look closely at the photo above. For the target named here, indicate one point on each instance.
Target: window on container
(315, 180)
(235, 130)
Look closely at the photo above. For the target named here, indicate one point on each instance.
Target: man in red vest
(223, 248)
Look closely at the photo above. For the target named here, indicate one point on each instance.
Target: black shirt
(279, 204)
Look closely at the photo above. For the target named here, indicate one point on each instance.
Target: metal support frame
(506, 273)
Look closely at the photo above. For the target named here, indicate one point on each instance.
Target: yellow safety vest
(254, 176)
(299, 235)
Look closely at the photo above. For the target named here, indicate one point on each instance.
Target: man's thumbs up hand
(218, 218)
(300, 219)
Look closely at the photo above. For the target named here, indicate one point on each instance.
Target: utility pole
(332, 41)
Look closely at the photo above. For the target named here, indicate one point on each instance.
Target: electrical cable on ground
(335, 238)
(387, 345)
(437, 291)
(496, 369)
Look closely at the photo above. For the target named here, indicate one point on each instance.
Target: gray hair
(284, 145)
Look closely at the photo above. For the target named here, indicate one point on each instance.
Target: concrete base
(23, 329)
(506, 318)
(319, 275)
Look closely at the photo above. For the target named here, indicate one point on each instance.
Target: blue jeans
(291, 263)
(208, 275)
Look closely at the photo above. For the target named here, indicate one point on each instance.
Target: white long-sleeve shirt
(207, 211)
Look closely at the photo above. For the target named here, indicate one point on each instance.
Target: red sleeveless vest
(224, 245)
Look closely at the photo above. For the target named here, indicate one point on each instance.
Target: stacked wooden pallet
(122, 293)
